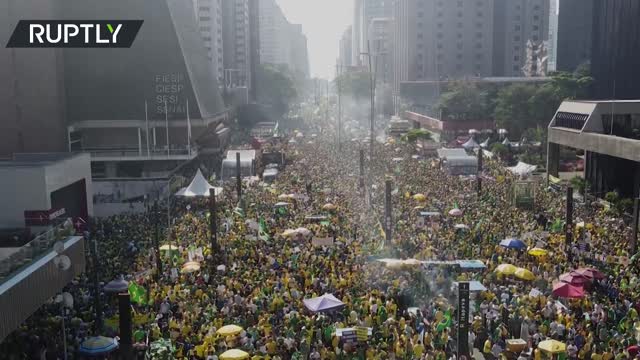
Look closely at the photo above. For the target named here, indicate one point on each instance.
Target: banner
(138, 293)
(362, 333)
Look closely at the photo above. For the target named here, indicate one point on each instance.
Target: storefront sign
(42, 217)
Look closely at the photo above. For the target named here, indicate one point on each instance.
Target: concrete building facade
(209, 18)
(381, 39)
(346, 44)
(516, 23)
(605, 131)
(32, 86)
(236, 43)
(364, 12)
(281, 43)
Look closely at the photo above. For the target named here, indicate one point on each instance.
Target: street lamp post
(156, 221)
(213, 225)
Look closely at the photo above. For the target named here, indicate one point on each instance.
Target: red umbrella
(566, 290)
(574, 279)
(590, 273)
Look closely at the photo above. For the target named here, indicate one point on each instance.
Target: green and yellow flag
(138, 293)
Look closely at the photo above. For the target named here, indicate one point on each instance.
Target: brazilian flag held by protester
(138, 293)
(263, 231)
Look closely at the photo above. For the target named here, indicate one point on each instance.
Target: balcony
(29, 276)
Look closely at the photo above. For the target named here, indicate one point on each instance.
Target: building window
(205, 8)
(459, 36)
(439, 25)
(205, 28)
(536, 18)
(419, 36)
(479, 35)
(517, 28)
(459, 56)
(516, 68)
(480, 14)
(516, 58)
(440, 56)
(458, 66)
(460, 2)
(205, 18)
(440, 35)
(535, 27)
(459, 13)
(440, 46)
(479, 25)
(535, 38)
(478, 45)
(479, 56)
(420, 14)
(516, 38)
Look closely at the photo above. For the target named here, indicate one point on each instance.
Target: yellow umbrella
(190, 267)
(419, 197)
(524, 274)
(234, 354)
(552, 346)
(506, 269)
(329, 206)
(228, 330)
(538, 252)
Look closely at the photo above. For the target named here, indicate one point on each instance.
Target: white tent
(523, 169)
(485, 144)
(506, 142)
(471, 144)
(198, 187)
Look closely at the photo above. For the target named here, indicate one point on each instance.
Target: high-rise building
(32, 93)
(236, 43)
(616, 49)
(404, 28)
(281, 43)
(364, 12)
(254, 47)
(381, 39)
(453, 39)
(209, 18)
(570, 29)
(516, 23)
(346, 43)
(299, 57)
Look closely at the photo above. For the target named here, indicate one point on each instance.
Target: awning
(198, 187)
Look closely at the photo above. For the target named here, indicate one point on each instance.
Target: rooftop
(36, 159)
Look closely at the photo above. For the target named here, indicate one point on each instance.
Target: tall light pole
(339, 91)
(373, 72)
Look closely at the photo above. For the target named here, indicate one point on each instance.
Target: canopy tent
(471, 144)
(506, 142)
(198, 187)
(523, 169)
(228, 330)
(326, 302)
(485, 144)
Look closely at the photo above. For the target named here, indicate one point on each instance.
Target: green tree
(465, 101)
(500, 150)
(512, 110)
(413, 135)
(275, 88)
(354, 84)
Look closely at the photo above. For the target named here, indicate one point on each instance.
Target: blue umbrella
(513, 244)
(98, 345)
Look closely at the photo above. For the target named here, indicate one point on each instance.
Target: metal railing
(33, 250)
(135, 152)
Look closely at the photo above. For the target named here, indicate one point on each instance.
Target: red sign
(42, 217)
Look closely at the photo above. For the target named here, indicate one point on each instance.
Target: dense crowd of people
(410, 309)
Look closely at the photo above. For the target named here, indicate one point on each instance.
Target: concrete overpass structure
(609, 133)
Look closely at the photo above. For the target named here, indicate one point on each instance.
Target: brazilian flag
(557, 226)
(137, 293)
(263, 231)
(445, 322)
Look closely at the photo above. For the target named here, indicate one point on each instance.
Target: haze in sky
(323, 21)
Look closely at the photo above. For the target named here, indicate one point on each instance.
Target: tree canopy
(276, 88)
(354, 84)
(465, 101)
